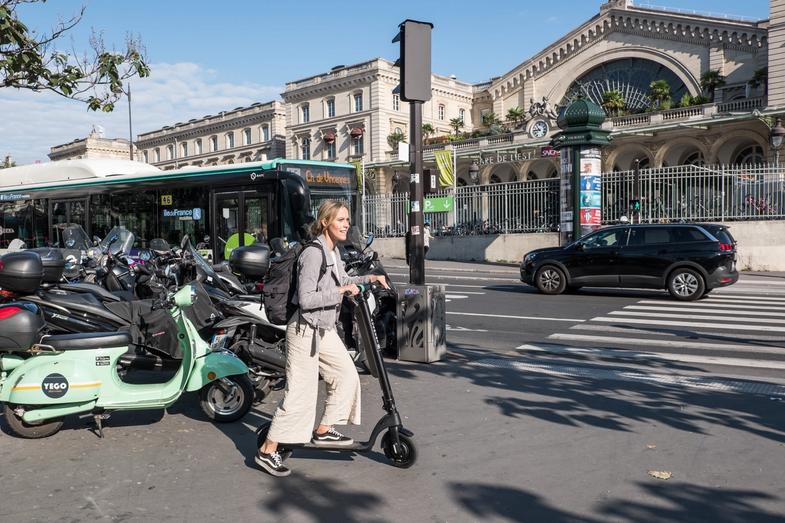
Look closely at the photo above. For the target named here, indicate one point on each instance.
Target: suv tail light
(726, 246)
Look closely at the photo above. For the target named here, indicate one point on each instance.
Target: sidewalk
(502, 268)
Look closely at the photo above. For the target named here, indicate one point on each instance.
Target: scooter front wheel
(404, 456)
(26, 430)
(227, 399)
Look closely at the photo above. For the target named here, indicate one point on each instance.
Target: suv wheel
(551, 280)
(686, 284)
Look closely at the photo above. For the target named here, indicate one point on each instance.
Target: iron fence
(686, 193)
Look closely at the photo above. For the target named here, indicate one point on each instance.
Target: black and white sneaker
(272, 464)
(331, 438)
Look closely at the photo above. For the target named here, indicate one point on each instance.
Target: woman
(314, 347)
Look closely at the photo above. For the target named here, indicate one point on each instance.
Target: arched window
(358, 102)
(183, 149)
(247, 136)
(144, 155)
(329, 106)
(305, 113)
(198, 146)
(396, 102)
(229, 140)
(265, 133)
(751, 155)
(695, 158)
(157, 155)
(462, 115)
(213, 143)
(170, 152)
(441, 112)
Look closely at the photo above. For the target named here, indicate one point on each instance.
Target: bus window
(181, 212)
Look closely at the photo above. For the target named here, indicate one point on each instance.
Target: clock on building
(539, 129)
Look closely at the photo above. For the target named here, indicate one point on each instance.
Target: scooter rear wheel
(404, 456)
(223, 406)
(26, 430)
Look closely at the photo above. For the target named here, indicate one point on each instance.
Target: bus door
(240, 218)
(66, 211)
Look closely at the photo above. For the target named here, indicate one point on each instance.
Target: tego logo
(55, 386)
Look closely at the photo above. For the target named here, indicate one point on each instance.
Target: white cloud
(31, 123)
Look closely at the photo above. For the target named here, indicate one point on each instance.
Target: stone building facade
(348, 113)
(624, 48)
(244, 134)
(94, 146)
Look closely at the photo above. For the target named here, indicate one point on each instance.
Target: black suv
(689, 260)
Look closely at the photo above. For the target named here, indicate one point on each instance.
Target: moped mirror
(96, 240)
(369, 240)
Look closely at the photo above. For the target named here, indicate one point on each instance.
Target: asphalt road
(547, 409)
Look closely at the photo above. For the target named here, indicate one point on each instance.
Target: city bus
(222, 207)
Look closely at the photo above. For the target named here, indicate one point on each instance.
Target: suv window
(650, 235)
(722, 234)
(688, 234)
(614, 238)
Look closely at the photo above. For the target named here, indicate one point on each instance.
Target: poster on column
(566, 218)
(590, 195)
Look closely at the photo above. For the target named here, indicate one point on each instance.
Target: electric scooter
(397, 442)
(77, 373)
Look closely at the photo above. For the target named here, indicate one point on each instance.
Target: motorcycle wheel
(225, 406)
(30, 431)
(406, 454)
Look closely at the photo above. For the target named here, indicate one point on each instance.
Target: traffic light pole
(416, 218)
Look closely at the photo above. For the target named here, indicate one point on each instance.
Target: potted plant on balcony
(660, 95)
(456, 124)
(613, 102)
(760, 77)
(427, 132)
(395, 138)
(711, 81)
(516, 116)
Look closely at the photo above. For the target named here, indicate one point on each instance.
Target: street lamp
(776, 136)
(474, 172)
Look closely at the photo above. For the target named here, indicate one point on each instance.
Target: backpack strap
(323, 268)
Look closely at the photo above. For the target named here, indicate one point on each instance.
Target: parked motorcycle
(46, 378)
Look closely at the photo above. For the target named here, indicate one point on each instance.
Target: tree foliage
(613, 102)
(516, 116)
(660, 94)
(428, 130)
(394, 138)
(29, 60)
(456, 124)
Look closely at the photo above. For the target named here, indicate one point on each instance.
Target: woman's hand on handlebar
(349, 290)
(381, 280)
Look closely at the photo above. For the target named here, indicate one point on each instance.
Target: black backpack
(280, 283)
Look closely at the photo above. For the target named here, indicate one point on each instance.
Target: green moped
(42, 382)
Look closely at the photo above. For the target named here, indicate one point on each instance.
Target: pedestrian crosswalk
(723, 330)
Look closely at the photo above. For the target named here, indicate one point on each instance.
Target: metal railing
(697, 193)
(503, 208)
(686, 193)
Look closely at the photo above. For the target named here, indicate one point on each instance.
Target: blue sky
(205, 60)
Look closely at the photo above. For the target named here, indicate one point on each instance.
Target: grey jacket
(318, 298)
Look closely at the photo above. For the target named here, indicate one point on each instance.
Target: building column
(776, 38)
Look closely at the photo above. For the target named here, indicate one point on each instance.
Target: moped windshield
(75, 237)
(117, 240)
(205, 268)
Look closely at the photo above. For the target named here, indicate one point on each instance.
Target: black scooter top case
(21, 326)
(21, 272)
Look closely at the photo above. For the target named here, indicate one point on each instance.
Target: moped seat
(87, 341)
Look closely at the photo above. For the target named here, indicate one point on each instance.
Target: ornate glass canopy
(631, 77)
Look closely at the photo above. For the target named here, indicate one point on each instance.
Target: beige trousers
(311, 352)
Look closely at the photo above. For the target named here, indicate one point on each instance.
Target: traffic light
(415, 60)
(635, 205)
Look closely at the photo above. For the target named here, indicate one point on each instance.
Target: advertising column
(590, 210)
(566, 196)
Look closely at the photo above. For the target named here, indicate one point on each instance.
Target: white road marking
(497, 286)
(706, 310)
(649, 356)
(722, 336)
(513, 317)
(745, 300)
(763, 349)
(727, 326)
(714, 305)
(766, 283)
(463, 329)
(695, 317)
(744, 297)
(455, 296)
